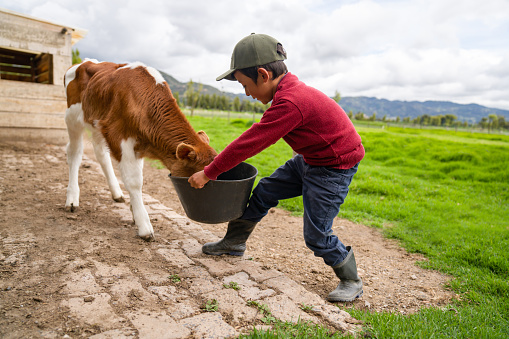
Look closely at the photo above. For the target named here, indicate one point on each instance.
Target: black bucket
(220, 200)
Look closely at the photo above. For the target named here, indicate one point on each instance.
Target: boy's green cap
(253, 50)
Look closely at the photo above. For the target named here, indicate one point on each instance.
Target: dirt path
(86, 274)
(392, 281)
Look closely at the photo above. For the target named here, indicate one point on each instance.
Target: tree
(484, 123)
(236, 104)
(359, 116)
(192, 96)
(199, 95)
(259, 107)
(76, 59)
(224, 103)
(492, 122)
(214, 101)
(177, 98)
(436, 120)
(425, 120)
(204, 101)
(337, 96)
(502, 123)
(246, 106)
(450, 119)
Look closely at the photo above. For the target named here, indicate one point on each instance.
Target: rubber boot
(350, 286)
(234, 242)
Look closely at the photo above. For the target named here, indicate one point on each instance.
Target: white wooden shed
(34, 56)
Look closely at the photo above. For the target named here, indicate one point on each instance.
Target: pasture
(443, 194)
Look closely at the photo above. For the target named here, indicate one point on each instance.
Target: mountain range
(382, 107)
(413, 109)
(181, 87)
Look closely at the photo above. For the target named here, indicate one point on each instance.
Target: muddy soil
(42, 248)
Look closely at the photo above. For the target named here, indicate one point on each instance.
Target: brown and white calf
(132, 114)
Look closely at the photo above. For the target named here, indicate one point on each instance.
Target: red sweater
(310, 122)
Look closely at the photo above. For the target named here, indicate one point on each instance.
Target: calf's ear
(204, 137)
(185, 151)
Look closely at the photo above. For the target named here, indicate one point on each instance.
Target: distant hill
(412, 109)
(181, 87)
(368, 105)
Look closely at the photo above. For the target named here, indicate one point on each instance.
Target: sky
(444, 50)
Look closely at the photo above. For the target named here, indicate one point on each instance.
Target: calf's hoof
(148, 238)
(71, 208)
(119, 199)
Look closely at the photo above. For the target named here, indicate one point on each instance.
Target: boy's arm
(276, 122)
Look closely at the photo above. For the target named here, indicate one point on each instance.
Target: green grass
(441, 193)
(299, 330)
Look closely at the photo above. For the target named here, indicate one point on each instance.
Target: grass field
(444, 194)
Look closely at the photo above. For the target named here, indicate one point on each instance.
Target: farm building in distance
(34, 56)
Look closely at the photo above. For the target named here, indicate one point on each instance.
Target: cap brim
(228, 75)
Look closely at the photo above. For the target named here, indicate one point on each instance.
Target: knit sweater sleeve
(277, 121)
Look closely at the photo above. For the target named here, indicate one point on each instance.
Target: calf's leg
(75, 126)
(131, 169)
(103, 157)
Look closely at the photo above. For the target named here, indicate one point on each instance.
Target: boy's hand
(198, 180)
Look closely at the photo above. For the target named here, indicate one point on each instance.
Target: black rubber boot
(350, 286)
(234, 242)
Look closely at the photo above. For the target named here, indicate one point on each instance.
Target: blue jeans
(323, 190)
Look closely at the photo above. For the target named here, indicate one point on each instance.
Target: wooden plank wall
(32, 112)
(32, 105)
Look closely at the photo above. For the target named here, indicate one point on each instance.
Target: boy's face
(261, 90)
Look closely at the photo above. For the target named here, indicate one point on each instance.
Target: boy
(328, 152)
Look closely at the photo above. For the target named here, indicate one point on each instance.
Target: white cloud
(437, 74)
(455, 50)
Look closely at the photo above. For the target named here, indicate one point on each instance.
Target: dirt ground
(392, 280)
(41, 246)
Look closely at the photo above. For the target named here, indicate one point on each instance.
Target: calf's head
(193, 158)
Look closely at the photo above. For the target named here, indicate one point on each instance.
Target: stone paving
(130, 298)
(207, 277)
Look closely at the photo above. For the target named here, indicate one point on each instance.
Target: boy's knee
(315, 245)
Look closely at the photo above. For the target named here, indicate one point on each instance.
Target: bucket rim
(218, 180)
